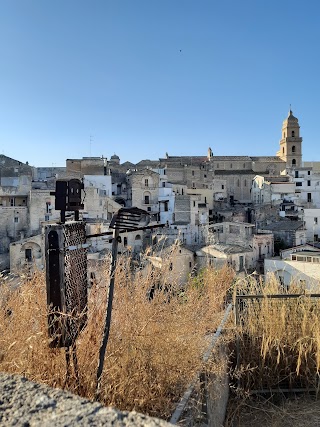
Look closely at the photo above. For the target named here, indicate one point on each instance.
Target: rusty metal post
(106, 331)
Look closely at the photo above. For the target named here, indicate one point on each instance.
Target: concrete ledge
(24, 403)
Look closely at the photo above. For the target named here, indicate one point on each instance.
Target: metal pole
(106, 331)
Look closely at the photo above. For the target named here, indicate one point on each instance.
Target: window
(46, 217)
(238, 182)
(194, 204)
(296, 174)
(308, 172)
(282, 150)
(166, 206)
(222, 187)
(163, 184)
(217, 166)
(230, 165)
(12, 202)
(284, 134)
(146, 199)
(190, 264)
(170, 266)
(205, 175)
(149, 209)
(315, 220)
(309, 197)
(146, 182)
(245, 182)
(193, 185)
(298, 184)
(16, 219)
(309, 183)
(293, 162)
(244, 165)
(293, 149)
(292, 134)
(28, 255)
(192, 173)
(125, 241)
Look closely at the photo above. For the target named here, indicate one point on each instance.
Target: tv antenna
(91, 139)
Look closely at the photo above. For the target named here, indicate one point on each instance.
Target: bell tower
(291, 142)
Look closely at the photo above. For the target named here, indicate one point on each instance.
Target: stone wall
(24, 403)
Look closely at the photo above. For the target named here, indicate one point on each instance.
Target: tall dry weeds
(279, 339)
(155, 345)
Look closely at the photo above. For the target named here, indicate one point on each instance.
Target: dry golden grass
(279, 338)
(299, 411)
(155, 346)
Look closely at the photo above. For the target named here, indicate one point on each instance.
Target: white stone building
(272, 190)
(311, 219)
(298, 265)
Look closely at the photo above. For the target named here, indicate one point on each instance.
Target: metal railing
(183, 402)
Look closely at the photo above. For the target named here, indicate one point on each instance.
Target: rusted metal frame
(277, 296)
(109, 233)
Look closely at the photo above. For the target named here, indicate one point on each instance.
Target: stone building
(144, 190)
(286, 232)
(299, 265)
(272, 190)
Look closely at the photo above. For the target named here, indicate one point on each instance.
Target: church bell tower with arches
(291, 142)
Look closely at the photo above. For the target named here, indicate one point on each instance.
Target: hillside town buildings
(224, 209)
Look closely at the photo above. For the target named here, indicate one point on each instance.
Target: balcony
(149, 202)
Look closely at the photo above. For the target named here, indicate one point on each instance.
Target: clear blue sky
(145, 77)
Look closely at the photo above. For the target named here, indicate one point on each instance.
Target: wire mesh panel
(66, 277)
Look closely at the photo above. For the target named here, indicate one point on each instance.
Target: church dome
(115, 159)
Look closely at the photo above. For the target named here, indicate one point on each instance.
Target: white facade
(272, 191)
(311, 219)
(307, 186)
(302, 268)
(101, 182)
(166, 203)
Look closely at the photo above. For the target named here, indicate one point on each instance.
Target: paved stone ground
(27, 404)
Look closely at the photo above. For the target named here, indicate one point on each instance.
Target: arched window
(292, 133)
(294, 162)
(125, 241)
(293, 149)
(138, 237)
